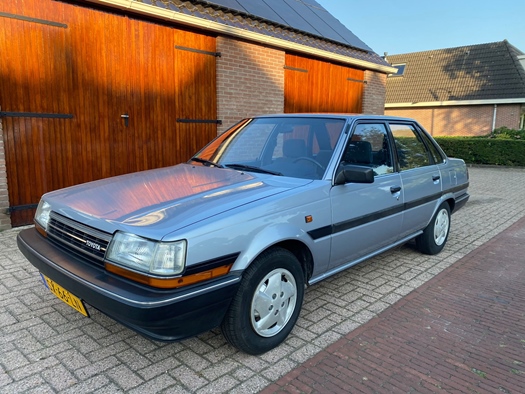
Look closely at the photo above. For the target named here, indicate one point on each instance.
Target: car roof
(349, 117)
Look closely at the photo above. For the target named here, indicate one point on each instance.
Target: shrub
(508, 134)
(493, 151)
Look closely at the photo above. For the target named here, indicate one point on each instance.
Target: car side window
(411, 150)
(436, 155)
(369, 146)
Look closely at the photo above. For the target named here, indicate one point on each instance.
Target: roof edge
(455, 103)
(216, 27)
(450, 48)
(210, 3)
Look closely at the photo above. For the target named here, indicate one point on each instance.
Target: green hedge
(491, 151)
(508, 134)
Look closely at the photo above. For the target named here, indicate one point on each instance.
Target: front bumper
(164, 315)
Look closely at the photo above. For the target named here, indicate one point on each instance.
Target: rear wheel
(267, 304)
(435, 235)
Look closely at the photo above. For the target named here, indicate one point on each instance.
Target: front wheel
(435, 235)
(267, 304)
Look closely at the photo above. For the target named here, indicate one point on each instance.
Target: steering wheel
(311, 161)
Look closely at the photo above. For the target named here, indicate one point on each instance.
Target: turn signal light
(169, 283)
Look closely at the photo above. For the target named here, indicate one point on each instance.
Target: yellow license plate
(70, 299)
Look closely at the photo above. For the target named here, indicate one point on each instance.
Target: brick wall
(508, 116)
(374, 93)
(250, 81)
(466, 120)
(5, 221)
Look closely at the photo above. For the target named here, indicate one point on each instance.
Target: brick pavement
(47, 347)
(463, 331)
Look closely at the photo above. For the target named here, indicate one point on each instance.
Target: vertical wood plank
(323, 88)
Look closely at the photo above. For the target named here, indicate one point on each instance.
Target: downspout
(494, 119)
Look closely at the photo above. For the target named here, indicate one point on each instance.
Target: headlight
(42, 214)
(144, 255)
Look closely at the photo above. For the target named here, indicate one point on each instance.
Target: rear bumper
(460, 201)
(165, 315)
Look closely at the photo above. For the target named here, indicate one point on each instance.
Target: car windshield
(298, 147)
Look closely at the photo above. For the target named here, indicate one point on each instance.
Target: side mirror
(354, 174)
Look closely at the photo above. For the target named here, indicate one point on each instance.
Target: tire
(267, 304)
(435, 235)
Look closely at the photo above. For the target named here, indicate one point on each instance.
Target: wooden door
(68, 76)
(316, 86)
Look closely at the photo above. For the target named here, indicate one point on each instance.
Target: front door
(366, 217)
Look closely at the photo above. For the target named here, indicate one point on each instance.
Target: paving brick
(96, 368)
(188, 378)
(88, 386)
(158, 384)
(58, 377)
(24, 385)
(124, 377)
(252, 385)
(13, 359)
(224, 384)
(33, 369)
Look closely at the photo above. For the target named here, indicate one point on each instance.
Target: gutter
(193, 21)
(456, 102)
(494, 118)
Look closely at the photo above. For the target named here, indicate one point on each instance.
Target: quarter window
(411, 150)
(436, 155)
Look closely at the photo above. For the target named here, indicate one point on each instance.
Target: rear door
(420, 176)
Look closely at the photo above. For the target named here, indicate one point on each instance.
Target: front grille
(78, 238)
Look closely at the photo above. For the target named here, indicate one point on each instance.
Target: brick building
(97, 88)
(462, 91)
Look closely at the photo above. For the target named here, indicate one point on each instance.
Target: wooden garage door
(86, 94)
(316, 86)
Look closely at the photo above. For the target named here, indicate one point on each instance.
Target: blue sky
(405, 26)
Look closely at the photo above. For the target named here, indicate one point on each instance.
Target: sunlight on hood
(161, 214)
(151, 192)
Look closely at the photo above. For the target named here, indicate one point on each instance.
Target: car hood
(156, 202)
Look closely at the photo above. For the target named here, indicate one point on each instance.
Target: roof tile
(475, 72)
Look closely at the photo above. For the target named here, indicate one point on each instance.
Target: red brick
(462, 120)
(255, 77)
(374, 93)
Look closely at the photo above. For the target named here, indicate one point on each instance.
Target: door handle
(126, 119)
(395, 189)
(436, 177)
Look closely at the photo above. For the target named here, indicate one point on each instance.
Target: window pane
(400, 70)
(299, 147)
(436, 155)
(369, 146)
(247, 145)
(411, 151)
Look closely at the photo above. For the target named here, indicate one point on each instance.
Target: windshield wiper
(206, 162)
(252, 168)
